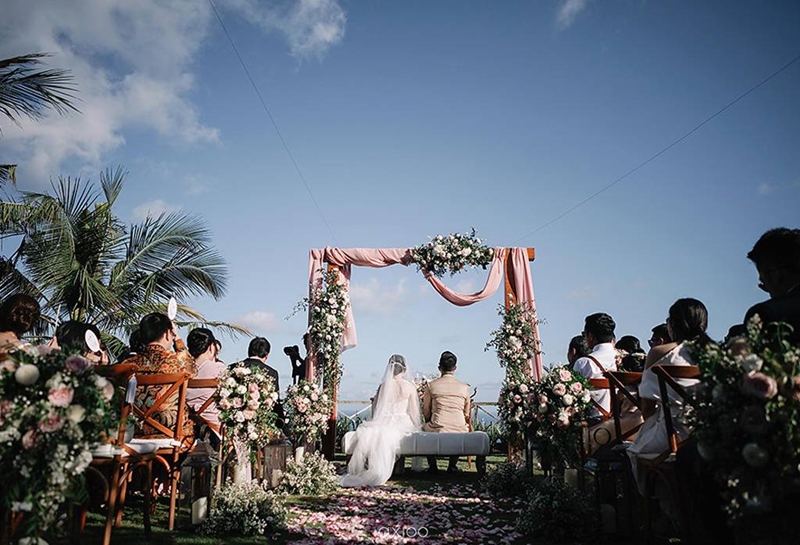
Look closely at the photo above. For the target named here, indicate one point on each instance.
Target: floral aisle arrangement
(245, 509)
(559, 513)
(746, 421)
(561, 402)
(53, 410)
(309, 409)
(246, 398)
(310, 475)
(452, 253)
(328, 311)
(517, 404)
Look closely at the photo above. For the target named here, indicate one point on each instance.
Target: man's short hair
(662, 332)
(447, 361)
(601, 325)
(778, 247)
(259, 348)
(153, 326)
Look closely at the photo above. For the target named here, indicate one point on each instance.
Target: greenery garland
(329, 304)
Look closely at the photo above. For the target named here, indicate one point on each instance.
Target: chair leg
(480, 464)
(113, 492)
(174, 480)
(147, 489)
(123, 493)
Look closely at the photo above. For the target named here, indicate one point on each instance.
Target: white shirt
(606, 355)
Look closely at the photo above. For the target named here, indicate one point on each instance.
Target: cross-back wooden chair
(662, 465)
(200, 413)
(619, 383)
(174, 442)
(115, 462)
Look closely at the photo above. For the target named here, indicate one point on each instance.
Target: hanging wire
(663, 151)
(272, 119)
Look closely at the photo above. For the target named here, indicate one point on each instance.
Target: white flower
(76, 413)
(26, 374)
(752, 363)
(568, 399)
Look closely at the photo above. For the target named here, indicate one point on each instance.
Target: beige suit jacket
(446, 405)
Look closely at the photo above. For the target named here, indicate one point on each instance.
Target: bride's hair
(398, 364)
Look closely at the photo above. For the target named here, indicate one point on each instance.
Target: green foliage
(560, 513)
(312, 475)
(508, 481)
(245, 509)
(328, 309)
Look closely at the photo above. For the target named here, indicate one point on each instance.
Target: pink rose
(543, 398)
(563, 420)
(51, 423)
(792, 389)
(564, 375)
(61, 396)
(559, 389)
(30, 439)
(248, 414)
(760, 386)
(517, 399)
(254, 393)
(77, 364)
(237, 402)
(8, 365)
(576, 387)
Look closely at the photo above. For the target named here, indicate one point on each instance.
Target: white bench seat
(422, 443)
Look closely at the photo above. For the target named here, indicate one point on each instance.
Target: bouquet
(309, 409)
(53, 410)
(561, 404)
(246, 398)
(452, 254)
(746, 421)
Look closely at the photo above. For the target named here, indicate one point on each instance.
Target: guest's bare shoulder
(658, 352)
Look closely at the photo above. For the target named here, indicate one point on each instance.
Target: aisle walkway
(443, 513)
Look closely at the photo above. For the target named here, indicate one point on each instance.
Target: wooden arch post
(515, 447)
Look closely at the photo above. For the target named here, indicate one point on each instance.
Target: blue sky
(411, 119)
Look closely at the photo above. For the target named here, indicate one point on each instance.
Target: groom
(446, 406)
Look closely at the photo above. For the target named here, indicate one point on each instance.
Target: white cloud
(580, 293)
(260, 322)
(376, 298)
(154, 209)
(132, 66)
(765, 188)
(568, 10)
(466, 286)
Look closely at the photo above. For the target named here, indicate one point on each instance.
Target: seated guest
(158, 337)
(659, 335)
(18, 315)
(632, 356)
(70, 338)
(598, 331)
(203, 348)
(577, 349)
(688, 320)
(777, 259)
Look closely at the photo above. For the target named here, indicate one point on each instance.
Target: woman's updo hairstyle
(399, 364)
(19, 313)
(688, 321)
(198, 341)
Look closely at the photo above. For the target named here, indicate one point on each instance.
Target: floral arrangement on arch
(561, 403)
(309, 409)
(515, 340)
(246, 398)
(328, 311)
(746, 421)
(515, 407)
(53, 410)
(452, 253)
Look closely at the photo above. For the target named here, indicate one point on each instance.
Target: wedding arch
(509, 266)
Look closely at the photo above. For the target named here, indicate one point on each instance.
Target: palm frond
(8, 173)
(26, 91)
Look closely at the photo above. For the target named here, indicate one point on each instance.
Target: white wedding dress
(377, 441)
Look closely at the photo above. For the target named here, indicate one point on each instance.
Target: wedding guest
(158, 337)
(577, 349)
(204, 349)
(776, 256)
(446, 406)
(659, 335)
(631, 354)
(598, 331)
(70, 337)
(19, 313)
(687, 321)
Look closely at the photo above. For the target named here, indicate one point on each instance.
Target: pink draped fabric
(384, 257)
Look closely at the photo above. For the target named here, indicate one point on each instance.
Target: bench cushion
(423, 443)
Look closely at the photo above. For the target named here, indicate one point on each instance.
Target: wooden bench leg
(480, 463)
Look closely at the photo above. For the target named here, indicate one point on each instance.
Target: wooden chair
(114, 463)
(199, 413)
(175, 443)
(619, 383)
(662, 465)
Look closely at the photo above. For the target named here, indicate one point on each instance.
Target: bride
(377, 441)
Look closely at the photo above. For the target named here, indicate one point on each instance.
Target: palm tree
(25, 91)
(82, 263)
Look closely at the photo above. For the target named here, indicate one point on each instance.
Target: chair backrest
(198, 412)
(667, 375)
(169, 384)
(619, 382)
